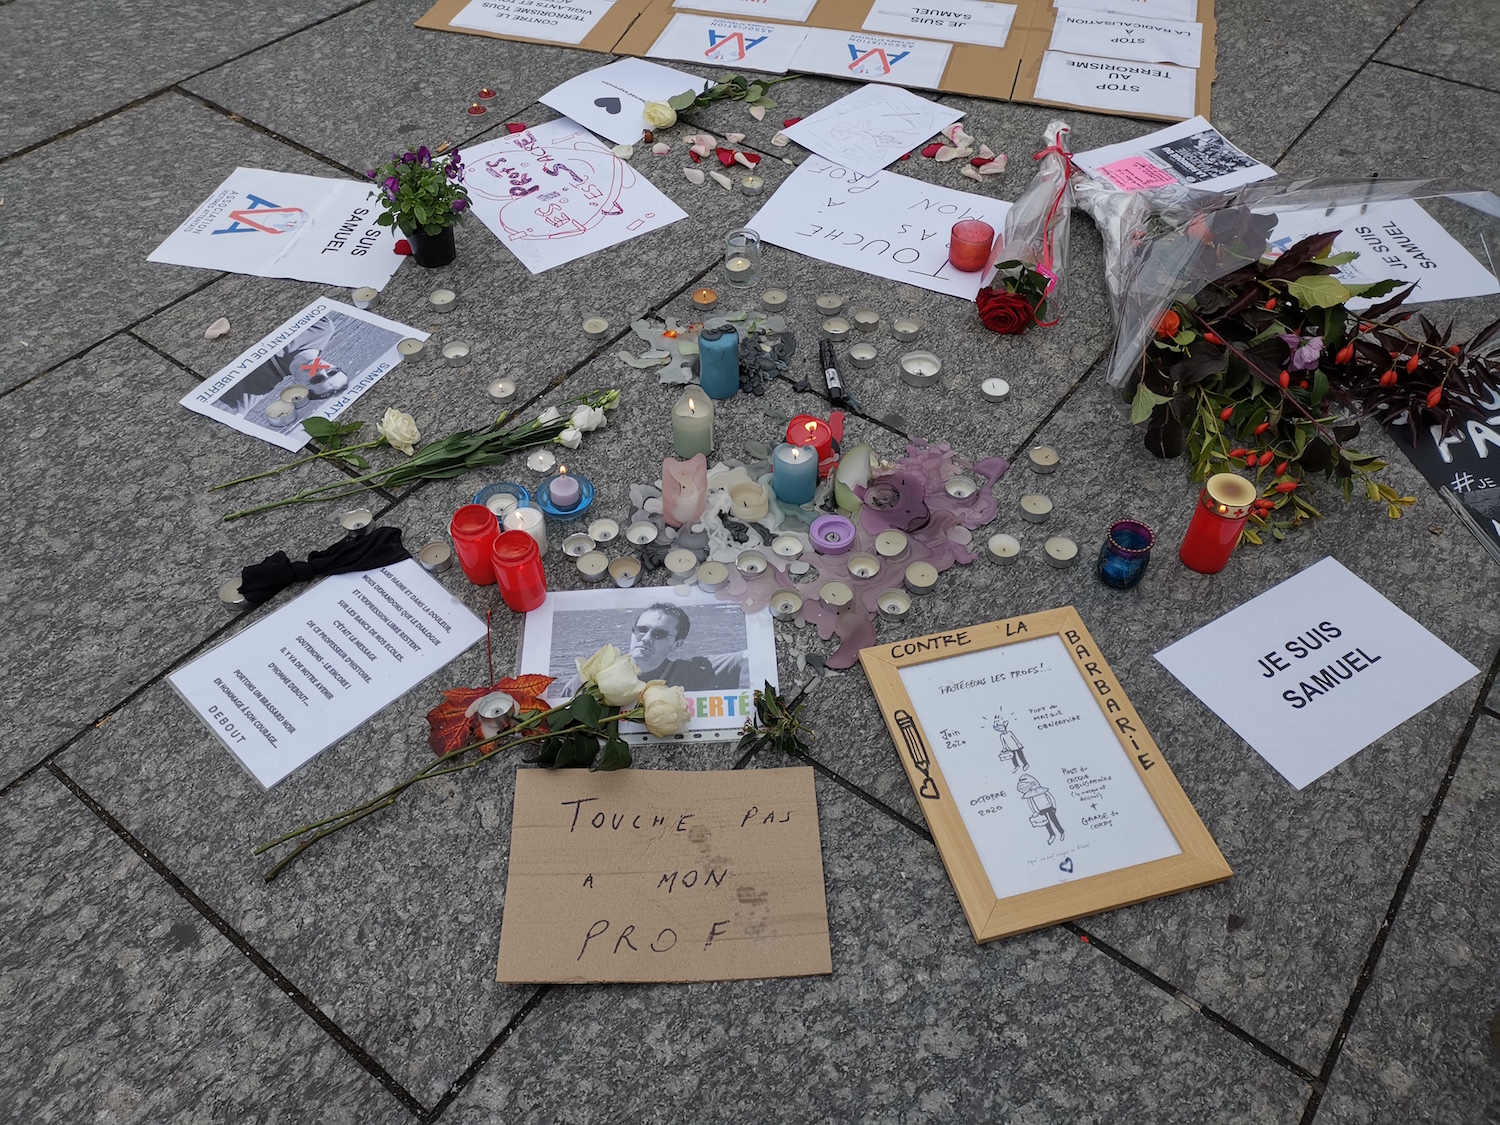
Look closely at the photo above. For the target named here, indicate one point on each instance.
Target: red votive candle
(518, 570)
(1223, 507)
(970, 244)
(807, 430)
(473, 529)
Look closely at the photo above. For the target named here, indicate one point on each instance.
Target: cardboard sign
(1045, 794)
(1315, 669)
(662, 875)
(958, 21)
(1140, 89)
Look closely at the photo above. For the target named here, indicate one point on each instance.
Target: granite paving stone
(124, 1004)
(82, 214)
(81, 61)
(1449, 39)
(916, 1024)
(369, 83)
(1316, 868)
(1423, 1044)
(119, 551)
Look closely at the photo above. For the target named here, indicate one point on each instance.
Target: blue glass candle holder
(1125, 554)
(545, 502)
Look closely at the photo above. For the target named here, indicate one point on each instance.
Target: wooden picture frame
(993, 915)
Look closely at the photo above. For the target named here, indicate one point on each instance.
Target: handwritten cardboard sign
(662, 875)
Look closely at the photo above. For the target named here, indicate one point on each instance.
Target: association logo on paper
(874, 62)
(263, 216)
(730, 48)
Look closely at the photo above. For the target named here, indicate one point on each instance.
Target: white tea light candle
(456, 354)
(410, 348)
(1060, 551)
(866, 320)
(1004, 549)
(891, 545)
(920, 369)
(751, 563)
(442, 300)
(577, 545)
(863, 355)
(836, 595)
(596, 328)
(625, 571)
(785, 604)
(995, 389)
(830, 303)
(773, 300)
(836, 328)
(1036, 508)
(906, 328)
(502, 388)
(593, 565)
(921, 578)
(364, 297)
(541, 460)
(894, 603)
(787, 547)
(680, 562)
(641, 533)
(713, 576)
(1043, 459)
(961, 488)
(864, 566)
(604, 530)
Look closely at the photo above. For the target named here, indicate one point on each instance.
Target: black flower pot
(432, 250)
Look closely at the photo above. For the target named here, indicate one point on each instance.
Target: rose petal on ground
(933, 149)
(748, 159)
(726, 156)
(661, 148)
(515, 127)
(218, 328)
(734, 138)
(722, 180)
(694, 175)
(781, 140)
(624, 152)
(968, 171)
(758, 112)
(994, 167)
(789, 122)
(984, 152)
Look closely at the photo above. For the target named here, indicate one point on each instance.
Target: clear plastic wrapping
(1037, 225)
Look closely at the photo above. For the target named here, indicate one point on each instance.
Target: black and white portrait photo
(1202, 156)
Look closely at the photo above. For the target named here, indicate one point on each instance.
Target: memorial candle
(794, 473)
(693, 424)
(969, 245)
(518, 570)
(804, 429)
(1223, 507)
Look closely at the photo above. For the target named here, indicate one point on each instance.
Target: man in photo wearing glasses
(659, 633)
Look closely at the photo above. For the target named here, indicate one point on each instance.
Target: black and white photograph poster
(1315, 669)
(314, 365)
(713, 650)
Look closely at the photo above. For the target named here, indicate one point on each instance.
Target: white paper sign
(887, 224)
(718, 41)
(958, 21)
(873, 58)
(866, 130)
(1185, 10)
(1315, 669)
(297, 681)
(610, 99)
(1191, 152)
(1394, 239)
(277, 224)
(793, 11)
(1040, 780)
(554, 193)
(1086, 32)
(1145, 88)
(336, 352)
(557, 21)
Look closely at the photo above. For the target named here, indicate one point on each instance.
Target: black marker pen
(831, 377)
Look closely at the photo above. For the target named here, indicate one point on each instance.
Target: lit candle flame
(811, 427)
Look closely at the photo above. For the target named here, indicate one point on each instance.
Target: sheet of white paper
(1086, 32)
(554, 193)
(1132, 87)
(557, 21)
(866, 130)
(609, 99)
(1039, 778)
(793, 11)
(1394, 239)
(719, 660)
(297, 681)
(873, 58)
(336, 351)
(278, 224)
(720, 41)
(888, 225)
(958, 21)
(1315, 669)
(1191, 152)
(1185, 10)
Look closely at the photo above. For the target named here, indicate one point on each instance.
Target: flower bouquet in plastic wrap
(1248, 340)
(1028, 287)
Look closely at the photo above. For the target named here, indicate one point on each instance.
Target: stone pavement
(1348, 974)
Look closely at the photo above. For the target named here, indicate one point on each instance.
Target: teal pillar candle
(719, 362)
(794, 473)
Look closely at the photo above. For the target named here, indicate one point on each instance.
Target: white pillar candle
(530, 521)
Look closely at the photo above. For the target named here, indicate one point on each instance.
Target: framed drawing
(1046, 796)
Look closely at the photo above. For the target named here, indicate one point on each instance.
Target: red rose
(1169, 324)
(1004, 312)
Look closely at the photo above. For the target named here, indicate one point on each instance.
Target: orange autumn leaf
(451, 727)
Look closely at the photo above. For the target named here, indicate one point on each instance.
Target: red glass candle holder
(473, 529)
(807, 430)
(518, 570)
(1223, 507)
(970, 244)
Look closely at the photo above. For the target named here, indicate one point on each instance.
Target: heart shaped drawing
(1066, 865)
(608, 105)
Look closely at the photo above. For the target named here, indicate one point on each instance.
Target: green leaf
(1185, 337)
(616, 756)
(681, 101)
(1319, 386)
(1144, 403)
(318, 427)
(1318, 291)
(1374, 289)
(1342, 258)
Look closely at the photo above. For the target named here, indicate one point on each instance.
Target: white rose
(587, 418)
(400, 430)
(570, 438)
(588, 670)
(667, 709)
(620, 684)
(659, 115)
(551, 414)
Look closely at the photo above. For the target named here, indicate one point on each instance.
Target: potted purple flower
(425, 197)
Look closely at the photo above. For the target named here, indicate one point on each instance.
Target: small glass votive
(741, 257)
(1125, 554)
(969, 245)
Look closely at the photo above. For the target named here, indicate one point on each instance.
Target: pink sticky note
(1136, 173)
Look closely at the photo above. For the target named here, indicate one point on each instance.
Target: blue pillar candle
(794, 473)
(719, 362)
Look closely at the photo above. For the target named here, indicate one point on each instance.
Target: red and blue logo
(729, 48)
(264, 216)
(874, 62)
